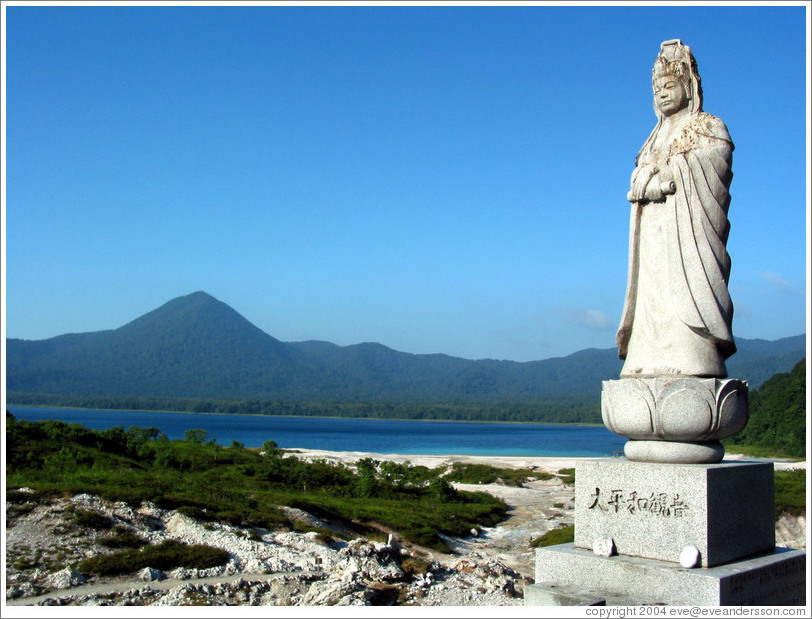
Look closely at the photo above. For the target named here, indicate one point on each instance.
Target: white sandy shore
(434, 461)
(546, 463)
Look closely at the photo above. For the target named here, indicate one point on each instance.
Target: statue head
(676, 62)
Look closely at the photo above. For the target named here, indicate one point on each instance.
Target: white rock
(65, 578)
(604, 547)
(150, 574)
(393, 543)
(25, 589)
(689, 557)
(150, 509)
(181, 573)
(327, 593)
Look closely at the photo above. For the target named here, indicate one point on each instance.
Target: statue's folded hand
(654, 190)
(645, 185)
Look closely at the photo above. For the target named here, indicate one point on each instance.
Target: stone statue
(677, 315)
(671, 523)
(675, 333)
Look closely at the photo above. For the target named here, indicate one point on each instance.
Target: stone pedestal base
(726, 511)
(569, 576)
(658, 518)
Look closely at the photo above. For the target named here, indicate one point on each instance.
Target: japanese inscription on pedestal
(619, 501)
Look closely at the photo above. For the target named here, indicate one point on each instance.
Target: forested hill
(778, 414)
(198, 347)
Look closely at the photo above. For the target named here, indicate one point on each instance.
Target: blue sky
(434, 178)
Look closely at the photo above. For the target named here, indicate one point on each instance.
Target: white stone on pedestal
(689, 557)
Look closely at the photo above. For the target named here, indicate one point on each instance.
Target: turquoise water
(378, 436)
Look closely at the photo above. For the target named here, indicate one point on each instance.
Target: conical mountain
(200, 325)
(193, 346)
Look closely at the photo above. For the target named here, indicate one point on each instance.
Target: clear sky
(435, 178)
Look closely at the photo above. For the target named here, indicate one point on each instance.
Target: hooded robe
(677, 314)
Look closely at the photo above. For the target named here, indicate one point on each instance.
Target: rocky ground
(265, 568)
(489, 568)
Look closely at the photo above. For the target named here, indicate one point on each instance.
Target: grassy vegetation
(486, 474)
(91, 520)
(232, 484)
(164, 556)
(790, 493)
(567, 476)
(121, 537)
(562, 535)
(756, 451)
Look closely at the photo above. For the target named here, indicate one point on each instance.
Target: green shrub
(19, 496)
(239, 518)
(122, 537)
(19, 509)
(323, 536)
(193, 512)
(67, 459)
(91, 520)
(165, 556)
(561, 535)
(487, 474)
(414, 566)
(270, 449)
(253, 535)
(440, 489)
(196, 435)
(567, 476)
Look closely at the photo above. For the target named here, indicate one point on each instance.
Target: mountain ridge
(198, 346)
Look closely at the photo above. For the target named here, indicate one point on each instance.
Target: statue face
(669, 95)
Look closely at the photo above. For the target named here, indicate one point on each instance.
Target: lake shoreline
(546, 463)
(261, 415)
(395, 436)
